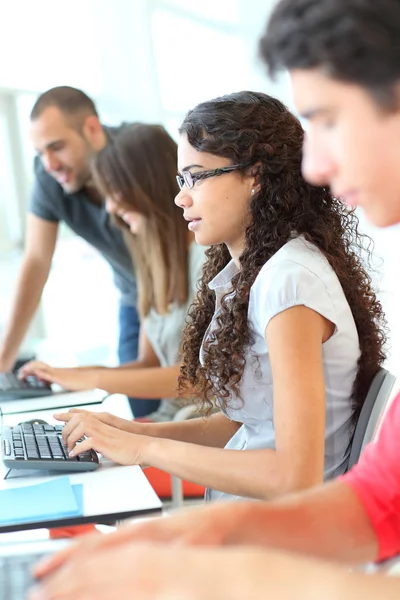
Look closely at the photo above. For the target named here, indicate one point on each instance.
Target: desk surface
(117, 404)
(110, 493)
(54, 401)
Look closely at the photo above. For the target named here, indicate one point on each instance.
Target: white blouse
(298, 274)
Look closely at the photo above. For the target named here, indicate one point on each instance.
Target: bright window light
(202, 63)
(226, 11)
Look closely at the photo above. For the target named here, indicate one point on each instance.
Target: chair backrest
(371, 413)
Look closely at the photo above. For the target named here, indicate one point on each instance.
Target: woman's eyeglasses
(189, 179)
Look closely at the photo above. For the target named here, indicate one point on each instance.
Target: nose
(50, 162)
(318, 166)
(184, 199)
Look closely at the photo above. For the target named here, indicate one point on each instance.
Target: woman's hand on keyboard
(79, 378)
(113, 443)
(105, 417)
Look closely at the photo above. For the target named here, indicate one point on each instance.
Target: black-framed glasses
(189, 179)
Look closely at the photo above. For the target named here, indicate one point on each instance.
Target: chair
(371, 413)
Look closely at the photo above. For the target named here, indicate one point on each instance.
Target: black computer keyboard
(13, 388)
(28, 446)
(15, 575)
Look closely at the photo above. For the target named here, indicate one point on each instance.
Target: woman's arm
(153, 382)
(144, 378)
(294, 340)
(215, 430)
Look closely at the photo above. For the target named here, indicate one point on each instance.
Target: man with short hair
(66, 133)
(344, 61)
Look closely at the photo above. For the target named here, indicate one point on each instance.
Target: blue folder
(54, 499)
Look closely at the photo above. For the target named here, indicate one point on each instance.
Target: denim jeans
(128, 346)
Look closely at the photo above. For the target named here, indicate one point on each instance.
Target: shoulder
(382, 454)
(301, 255)
(296, 263)
(298, 274)
(376, 481)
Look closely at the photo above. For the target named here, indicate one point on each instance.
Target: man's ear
(92, 128)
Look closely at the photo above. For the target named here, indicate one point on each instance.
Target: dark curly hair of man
(356, 41)
(258, 130)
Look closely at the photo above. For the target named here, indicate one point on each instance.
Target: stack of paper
(54, 499)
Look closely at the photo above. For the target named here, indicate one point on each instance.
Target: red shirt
(376, 481)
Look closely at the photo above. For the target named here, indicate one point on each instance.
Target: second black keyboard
(13, 388)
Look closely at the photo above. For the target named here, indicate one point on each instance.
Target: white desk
(110, 493)
(54, 401)
(23, 410)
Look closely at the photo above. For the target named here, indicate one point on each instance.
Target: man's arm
(328, 521)
(353, 520)
(41, 239)
(206, 574)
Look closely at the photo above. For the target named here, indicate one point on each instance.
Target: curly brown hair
(258, 130)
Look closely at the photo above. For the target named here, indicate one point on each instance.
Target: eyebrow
(191, 167)
(50, 145)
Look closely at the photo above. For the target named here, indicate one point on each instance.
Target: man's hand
(211, 526)
(165, 572)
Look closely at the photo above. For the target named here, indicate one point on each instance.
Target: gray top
(88, 220)
(165, 331)
(298, 274)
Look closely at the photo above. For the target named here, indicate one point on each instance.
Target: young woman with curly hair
(285, 333)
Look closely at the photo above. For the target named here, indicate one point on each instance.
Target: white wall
(44, 43)
(105, 47)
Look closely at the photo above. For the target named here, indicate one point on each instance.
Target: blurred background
(140, 60)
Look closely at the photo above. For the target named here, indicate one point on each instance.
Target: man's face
(351, 144)
(64, 151)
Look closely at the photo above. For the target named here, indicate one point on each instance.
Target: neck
(236, 250)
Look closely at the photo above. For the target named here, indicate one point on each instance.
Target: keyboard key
(32, 454)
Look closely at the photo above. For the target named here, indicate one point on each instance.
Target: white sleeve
(288, 284)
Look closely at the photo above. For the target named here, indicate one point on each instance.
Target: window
(223, 11)
(207, 58)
